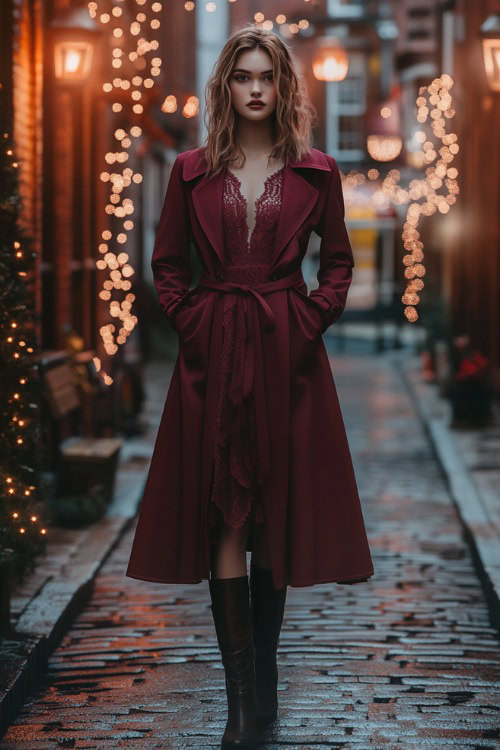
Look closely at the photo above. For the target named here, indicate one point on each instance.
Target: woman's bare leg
(229, 554)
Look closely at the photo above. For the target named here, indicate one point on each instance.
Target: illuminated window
(346, 107)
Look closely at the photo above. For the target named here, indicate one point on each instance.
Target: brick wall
(27, 75)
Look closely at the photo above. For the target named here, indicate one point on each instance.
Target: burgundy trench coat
(315, 525)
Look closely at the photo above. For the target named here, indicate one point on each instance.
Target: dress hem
(360, 578)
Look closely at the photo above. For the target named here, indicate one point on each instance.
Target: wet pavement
(407, 660)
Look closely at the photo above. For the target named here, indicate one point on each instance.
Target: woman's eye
(240, 76)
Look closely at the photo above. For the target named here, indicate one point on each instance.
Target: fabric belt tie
(250, 376)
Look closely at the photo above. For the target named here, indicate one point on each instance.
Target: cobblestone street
(408, 660)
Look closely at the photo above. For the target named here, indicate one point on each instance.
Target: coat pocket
(310, 311)
(189, 312)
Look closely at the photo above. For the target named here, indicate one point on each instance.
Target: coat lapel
(298, 198)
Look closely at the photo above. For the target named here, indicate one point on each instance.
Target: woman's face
(252, 80)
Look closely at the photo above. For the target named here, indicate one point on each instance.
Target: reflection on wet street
(408, 660)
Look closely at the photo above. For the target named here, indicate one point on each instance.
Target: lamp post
(490, 34)
(71, 71)
(330, 61)
(73, 35)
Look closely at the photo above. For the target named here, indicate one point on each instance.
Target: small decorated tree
(22, 534)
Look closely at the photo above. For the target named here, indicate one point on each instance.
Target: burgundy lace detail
(235, 491)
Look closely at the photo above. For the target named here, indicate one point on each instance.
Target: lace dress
(235, 491)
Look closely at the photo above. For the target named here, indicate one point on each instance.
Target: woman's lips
(255, 106)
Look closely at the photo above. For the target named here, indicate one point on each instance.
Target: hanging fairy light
(437, 152)
(434, 100)
(133, 46)
(20, 386)
(259, 18)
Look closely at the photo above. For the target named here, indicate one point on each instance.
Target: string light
(17, 410)
(434, 100)
(135, 46)
(437, 152)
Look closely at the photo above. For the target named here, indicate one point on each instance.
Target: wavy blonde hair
(293, 117)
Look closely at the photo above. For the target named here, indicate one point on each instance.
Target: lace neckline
(257, 202)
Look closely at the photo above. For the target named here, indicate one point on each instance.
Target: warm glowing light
(170, 104)
(490, 33)
(116, 266)
(191, 107)
(330, 62)
(438, 174)
(72, 60)
(384, 147)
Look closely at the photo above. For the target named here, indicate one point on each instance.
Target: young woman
(251, 453)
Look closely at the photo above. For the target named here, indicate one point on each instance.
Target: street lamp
(384, 142)
(74, 34)
(330, 61)
(490, 34)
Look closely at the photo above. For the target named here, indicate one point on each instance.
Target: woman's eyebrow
(242, 70)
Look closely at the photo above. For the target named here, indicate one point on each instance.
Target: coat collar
(195, 163)
(299, 197)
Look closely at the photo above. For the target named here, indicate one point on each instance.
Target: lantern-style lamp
(74, 35)
(384, 142)
(490, 34)
(330, 61)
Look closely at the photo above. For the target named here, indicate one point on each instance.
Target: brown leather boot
(231, 612)
(267, 609)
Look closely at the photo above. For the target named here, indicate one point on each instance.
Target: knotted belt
(249, 377)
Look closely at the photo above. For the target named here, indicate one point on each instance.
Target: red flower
(471, 366)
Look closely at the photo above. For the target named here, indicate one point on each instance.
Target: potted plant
(470, 389)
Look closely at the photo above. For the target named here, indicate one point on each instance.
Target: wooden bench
(81, 461)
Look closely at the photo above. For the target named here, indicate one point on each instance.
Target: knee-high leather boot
(267, 609)
(231, 614)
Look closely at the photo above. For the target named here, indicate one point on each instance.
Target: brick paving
(408, 660)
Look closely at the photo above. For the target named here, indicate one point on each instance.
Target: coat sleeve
(171, 260)
(336, 258)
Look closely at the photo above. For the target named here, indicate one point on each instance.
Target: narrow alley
(408, 660)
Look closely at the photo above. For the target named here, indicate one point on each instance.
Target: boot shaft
(231, 614)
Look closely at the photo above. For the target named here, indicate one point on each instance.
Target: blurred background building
(63, 126)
